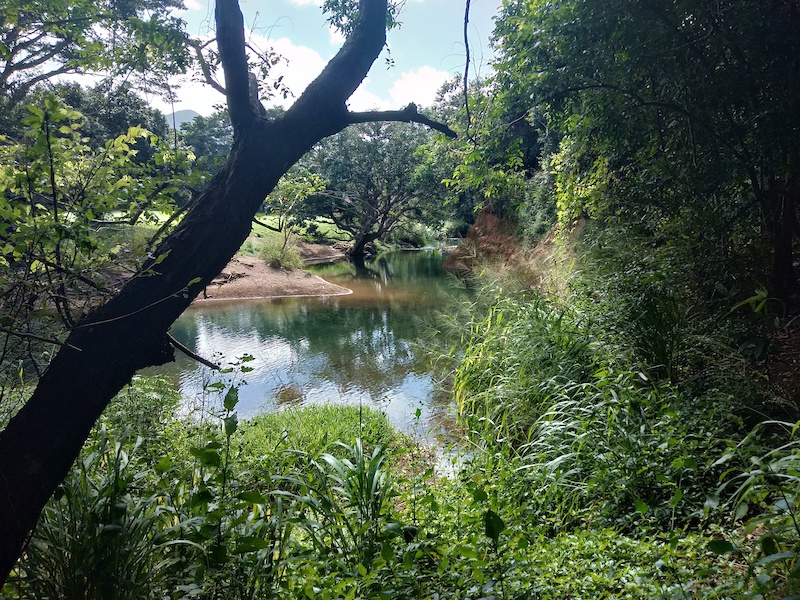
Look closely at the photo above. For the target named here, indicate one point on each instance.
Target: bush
(279, 254)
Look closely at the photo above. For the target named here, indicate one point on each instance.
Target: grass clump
(270, 442)
(280, 253)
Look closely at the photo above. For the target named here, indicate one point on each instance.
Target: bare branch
(408, 115)
(466, 68)
(205, 68)
(38, 338)
(180, 347)
(265, 225)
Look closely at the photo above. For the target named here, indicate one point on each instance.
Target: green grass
(319, 230)
(269, 443)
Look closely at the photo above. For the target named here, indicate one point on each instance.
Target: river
(358, 348)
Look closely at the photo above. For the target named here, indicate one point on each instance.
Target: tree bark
(780, 218)
(105, 349)
(784, 278)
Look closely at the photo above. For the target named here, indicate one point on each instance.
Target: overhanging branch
(408, 115)
(193, 355)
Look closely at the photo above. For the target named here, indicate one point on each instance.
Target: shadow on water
(358, 348)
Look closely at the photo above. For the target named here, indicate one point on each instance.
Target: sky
(426, 50)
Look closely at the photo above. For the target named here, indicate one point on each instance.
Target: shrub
(279, 254)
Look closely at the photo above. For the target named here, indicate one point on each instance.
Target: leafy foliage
(686, 117)
(40, 41)
(60, 199)
(371, 182)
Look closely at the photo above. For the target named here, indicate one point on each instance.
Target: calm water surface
(358, 348)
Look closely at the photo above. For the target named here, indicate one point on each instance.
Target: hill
(180, 117)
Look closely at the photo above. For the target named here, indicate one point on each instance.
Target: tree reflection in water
(355, 348)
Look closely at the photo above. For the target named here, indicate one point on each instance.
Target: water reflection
(358, 348)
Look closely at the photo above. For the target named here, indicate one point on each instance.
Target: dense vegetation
(624, 375)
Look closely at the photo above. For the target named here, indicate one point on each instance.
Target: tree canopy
(39, 41)
(666, 106)
(373, 186)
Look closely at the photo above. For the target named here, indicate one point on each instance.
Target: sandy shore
(251, 277)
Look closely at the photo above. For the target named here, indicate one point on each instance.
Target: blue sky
(427, 49)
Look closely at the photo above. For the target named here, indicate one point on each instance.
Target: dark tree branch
(21, 90)
(38, 338)
(231, 44)
(466, 68)
(266, 225)
(34, 61)
(82, 278)
(193, 355)
(324, 100)
(408, 115)
(129, 332)
(205, 68)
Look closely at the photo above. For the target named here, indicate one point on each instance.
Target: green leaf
(163, 465)
(479, 495)
(231, 424)
(231, 398)
(252, 497)
(789, 554)
(250, 544)
(720, 546)
(467, 551)
(641, 507)
(768, 545)
(387, 552)
(494, 525)
(206, 456)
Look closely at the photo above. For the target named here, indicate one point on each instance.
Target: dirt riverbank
(252, 277)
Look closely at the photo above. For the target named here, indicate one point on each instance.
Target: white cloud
(362, 99)
(335, 37)
(302, 66)
(304, 2)
(192, 5)
(418, 86)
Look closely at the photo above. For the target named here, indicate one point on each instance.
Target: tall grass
(591, 416)
(518, 356)
(96, 538)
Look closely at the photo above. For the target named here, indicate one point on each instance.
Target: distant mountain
(181, 117)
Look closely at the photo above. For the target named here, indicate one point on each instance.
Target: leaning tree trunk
(128, 333)
(783, 279)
